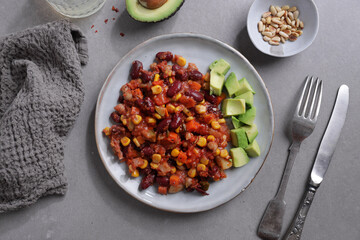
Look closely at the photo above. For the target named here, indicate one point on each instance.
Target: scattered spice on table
(122, 34)
(106, 20)
(92, 26)
(96, 31)
(115, 9)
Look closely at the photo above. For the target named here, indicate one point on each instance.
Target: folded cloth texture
(41, 93)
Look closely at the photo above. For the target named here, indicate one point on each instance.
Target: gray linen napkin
(40, 97)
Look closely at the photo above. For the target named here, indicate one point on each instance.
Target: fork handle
(297, 225)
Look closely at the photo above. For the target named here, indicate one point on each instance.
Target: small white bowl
(308, 14)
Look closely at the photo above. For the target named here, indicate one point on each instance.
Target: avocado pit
(152, 4)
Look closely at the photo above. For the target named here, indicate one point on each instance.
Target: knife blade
(330, 137)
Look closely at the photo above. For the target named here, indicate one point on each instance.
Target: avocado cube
(232, 84)
(221, 66)
(239, 157)
(231, 107)
(249, 116)
(251, 132)
(253, 149)
(244, 87)
(248, 96)
(239, 138)
(236, 122)
(216, 82)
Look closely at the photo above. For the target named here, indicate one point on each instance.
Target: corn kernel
(210, 138)
(200, 109)
(188, 119)
(171, 80)
(173, 170)
(178, 109)
(202, 102)
(179, 163)
(222, 120)
(192, 172)
(156, 158)
(151, 120)
(136, 142)
(177, 130)
(200, 167)
(157, 89)
(175, 152)
(156, 77)
(181, 61)
(204, 161)
(171, 108)
(224, 153)
(107, 131)
(157, 116)
(136, 119)
(217, 152)
(131, 169)
(124, 122)
(177, 96)
(196, 150)
(125, 141)
(201, 142)
(135, 173)
(144, 165)
(154, 165)
(215, 125)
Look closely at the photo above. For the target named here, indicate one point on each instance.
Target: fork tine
(314, 97)
(302, 96)
(307, 97)
(319, 101)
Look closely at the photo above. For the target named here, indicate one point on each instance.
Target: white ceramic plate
(201, 50)
(308, 14)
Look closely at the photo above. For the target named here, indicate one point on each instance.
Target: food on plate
(240, 107)
(280, 24)
(217, 76)
(168, 128)
(152, 10)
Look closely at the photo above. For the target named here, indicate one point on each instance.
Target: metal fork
(303, 124)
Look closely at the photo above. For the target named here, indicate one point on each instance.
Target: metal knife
(322, 161)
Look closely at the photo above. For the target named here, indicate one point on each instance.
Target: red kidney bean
(146, 76)
(115, 117)
(174, 89)
(176, 68)
(146, 171)
(147, 181)
(136, 69)
(163, 181)
(121, 99)
(147, 151)
(176, 121)
(164, 125)
(195, 75)
(167, 56)
(210, 98)
(147, 105)
(197, 96)
(182, 75)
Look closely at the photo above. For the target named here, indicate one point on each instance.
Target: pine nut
(278, 9)
(296, 14)
(283, 34)
(292, 9)
(280, 14)
(291, 16)
(285, 7)
(274, 43)
(266, 39)
(260, 26)
(276, 39)
(266, 14)
(273, 10)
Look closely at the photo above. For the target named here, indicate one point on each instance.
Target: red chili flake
(122, 34)
(92, 26)
(114, 19)
(114, 9)
(106, 20)
(95, 31)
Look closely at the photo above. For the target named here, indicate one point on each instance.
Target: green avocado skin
(182, 2)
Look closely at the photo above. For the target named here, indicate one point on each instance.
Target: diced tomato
(162, 190)
(192, 126)
(174, 180)
(187, 101)
(161, 99)
(194, 85)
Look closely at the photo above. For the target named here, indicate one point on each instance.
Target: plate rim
(183, 35)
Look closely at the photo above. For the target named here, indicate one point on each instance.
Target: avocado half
(142, 14)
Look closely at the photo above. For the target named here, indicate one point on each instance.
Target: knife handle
(297, 225)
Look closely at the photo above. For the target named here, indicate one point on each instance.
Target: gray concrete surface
(96, 208)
